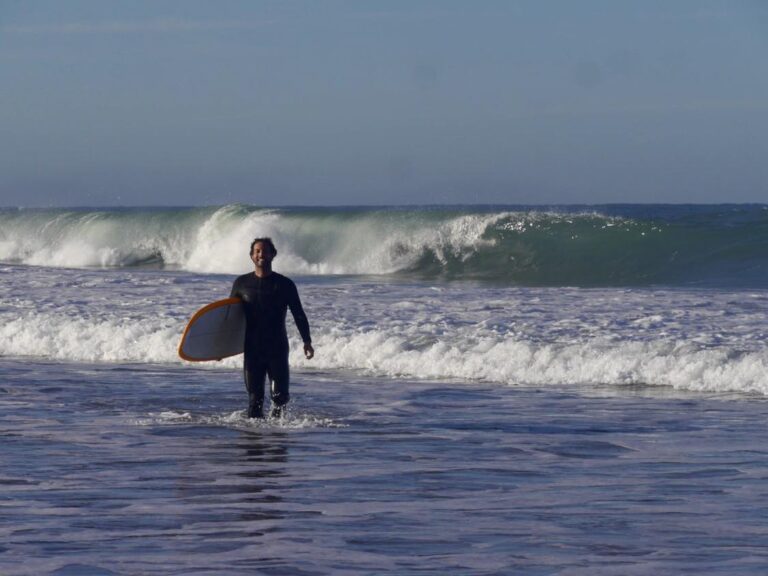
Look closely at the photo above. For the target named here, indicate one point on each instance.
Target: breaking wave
(572, 246)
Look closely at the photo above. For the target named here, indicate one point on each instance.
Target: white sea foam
(470, 354)
(293, 419)
(61, 337)
(711, 340)
(513, 362)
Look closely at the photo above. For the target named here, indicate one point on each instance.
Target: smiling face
(262, 255)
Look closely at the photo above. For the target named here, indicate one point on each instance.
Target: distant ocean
(496, 390)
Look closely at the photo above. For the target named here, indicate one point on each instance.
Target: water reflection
(263, 464)
(231, 485)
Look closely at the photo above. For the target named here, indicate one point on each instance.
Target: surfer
(266, 297)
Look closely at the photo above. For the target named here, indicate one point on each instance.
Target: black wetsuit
(266, 301)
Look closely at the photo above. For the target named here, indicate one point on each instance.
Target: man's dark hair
(266, 240)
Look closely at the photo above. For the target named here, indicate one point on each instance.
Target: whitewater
(496, 390)
(695, 339)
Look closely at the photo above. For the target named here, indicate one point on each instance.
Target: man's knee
(255, 374)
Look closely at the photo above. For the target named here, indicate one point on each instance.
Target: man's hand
(309, 352)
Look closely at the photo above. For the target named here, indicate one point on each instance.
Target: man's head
(263, 252)
(267, 243)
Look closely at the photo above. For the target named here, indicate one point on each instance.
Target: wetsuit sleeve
(235, 292)
(302, 323)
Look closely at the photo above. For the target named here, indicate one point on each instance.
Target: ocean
(569, 390)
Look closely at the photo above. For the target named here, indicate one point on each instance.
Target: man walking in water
(266, 297)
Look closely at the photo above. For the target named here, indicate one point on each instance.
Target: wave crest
(523, 247)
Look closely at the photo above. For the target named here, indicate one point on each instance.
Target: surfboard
(214, 332)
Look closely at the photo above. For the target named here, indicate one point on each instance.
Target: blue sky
(417, 102)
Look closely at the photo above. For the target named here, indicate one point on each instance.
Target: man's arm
(302, 323)
(235, 292)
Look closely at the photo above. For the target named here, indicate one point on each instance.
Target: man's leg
(254, 373)
(279, 376)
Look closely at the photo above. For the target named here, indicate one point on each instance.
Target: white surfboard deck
(214, 332)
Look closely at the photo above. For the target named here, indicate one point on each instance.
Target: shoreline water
(154, 469)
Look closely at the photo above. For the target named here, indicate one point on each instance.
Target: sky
(276, 103)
